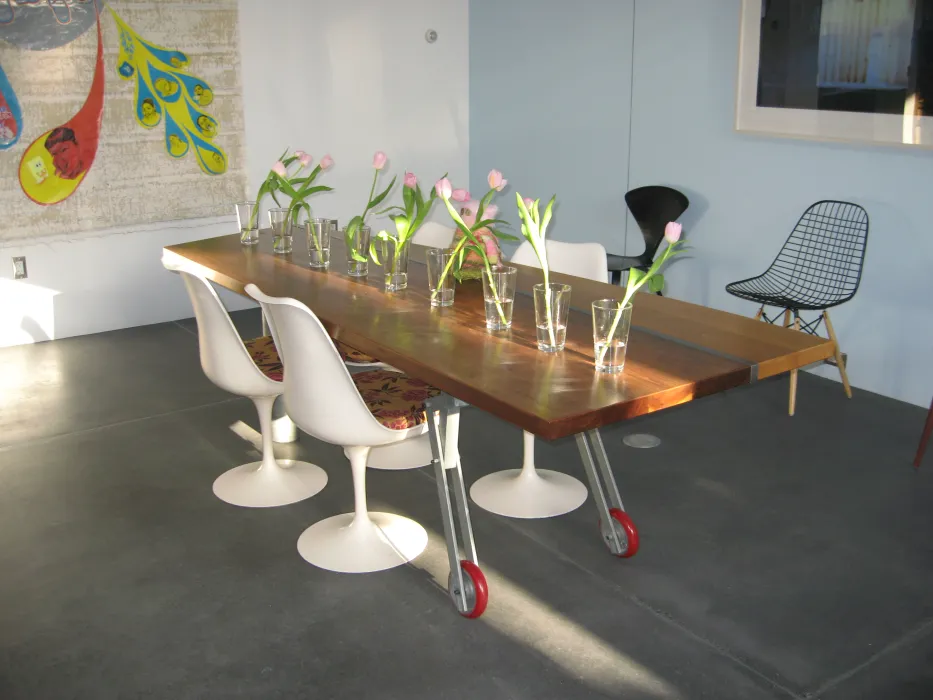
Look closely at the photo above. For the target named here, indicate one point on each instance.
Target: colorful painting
(54, 165)
(11, 116)
(165, 92)
(41, 25)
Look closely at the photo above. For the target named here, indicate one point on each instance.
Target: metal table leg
(618, 530)
(466, 582)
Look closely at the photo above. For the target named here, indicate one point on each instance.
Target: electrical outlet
(19, 268)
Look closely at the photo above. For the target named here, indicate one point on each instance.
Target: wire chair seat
(820, 265)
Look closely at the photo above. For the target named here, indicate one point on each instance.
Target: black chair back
(653, 207)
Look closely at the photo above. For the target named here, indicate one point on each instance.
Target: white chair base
(358, 545)
(409, 454)
(256, 486)
(528, 492)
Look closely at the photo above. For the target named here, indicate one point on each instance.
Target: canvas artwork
(115, 113)
(845, 70)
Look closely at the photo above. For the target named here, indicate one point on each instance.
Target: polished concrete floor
(781, 557)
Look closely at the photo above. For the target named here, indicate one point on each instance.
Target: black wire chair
(652, 207)
(819, 267)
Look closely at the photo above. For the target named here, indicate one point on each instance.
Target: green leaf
(401, 224)
(487, 223)
(285, 187)
(373, 253)
(505, 236)
(408, 198)
(656, 283)
(381, 196)
(351, 230)
(547, 215)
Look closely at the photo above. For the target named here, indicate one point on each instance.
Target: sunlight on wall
(27, 313)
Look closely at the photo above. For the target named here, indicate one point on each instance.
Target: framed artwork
(837, 70)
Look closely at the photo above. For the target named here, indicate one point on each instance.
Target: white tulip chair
(251, 369)
(530, 492)
(325, 400)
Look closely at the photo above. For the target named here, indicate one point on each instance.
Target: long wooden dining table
(677, 352)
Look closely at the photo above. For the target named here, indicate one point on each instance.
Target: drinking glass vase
(320, 232)
(358, 244)
(442, 287)
(611, 325)
(247, 215)
(499, 296)
(552, 308)
(395, 264)
(281, 233)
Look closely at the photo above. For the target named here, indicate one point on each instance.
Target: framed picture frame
(837, 70)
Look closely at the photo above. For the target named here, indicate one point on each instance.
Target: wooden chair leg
(761, 311)
(786, 318)
(924, 438)
(793, 373)
(838, 353)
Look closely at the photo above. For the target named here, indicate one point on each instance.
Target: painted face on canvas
(67, 158)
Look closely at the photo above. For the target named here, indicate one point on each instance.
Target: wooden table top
(677, 351)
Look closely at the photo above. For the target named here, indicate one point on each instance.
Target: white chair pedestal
(362, 542)
(412, 453)
(269, 483)
(528, 492)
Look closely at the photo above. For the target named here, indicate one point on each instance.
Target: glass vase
(395, 265)
(247, 214)
(441, 285)
(281, 233)
(358, 245)
(499, 296)
(611, 325)
(319, 233)
(552, 308)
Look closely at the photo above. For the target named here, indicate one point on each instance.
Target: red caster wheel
(475, 591)
(626, 533)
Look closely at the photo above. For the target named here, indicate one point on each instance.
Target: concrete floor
(781, 558)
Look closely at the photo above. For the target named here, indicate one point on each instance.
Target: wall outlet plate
(19, 267)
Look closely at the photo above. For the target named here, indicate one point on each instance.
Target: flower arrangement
(407, 221)
(357, 222)
(479, 234)
(534, 229)
(637, 278)
(296, 185)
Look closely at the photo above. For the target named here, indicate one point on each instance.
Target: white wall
(350, 78)
(347, 78)
(747, 193)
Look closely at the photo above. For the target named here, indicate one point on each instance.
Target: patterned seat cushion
(351, 354)
(266, 357)
(395, 400)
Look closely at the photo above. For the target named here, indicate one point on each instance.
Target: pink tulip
(496, 181)
(443, 188)
(529, 203)
(469, 218)
(460, 196)
(379, 160)
(411, 182)
(672, 232)
(490, 212)
(304, 158)
(279, 169)
(326, 162)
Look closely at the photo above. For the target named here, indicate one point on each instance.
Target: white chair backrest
(578, 259)
(320, 396)
(224, 357)
(434, 235)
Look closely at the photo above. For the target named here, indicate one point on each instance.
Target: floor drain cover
(641, 441)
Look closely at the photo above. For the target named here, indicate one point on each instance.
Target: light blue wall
(746, 191)
(749, 191)
(550, 87)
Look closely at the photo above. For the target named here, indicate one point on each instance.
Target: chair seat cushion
(394, 399)
(266, 357)
(351, 354)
